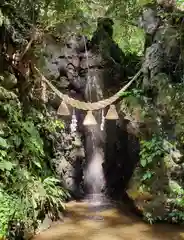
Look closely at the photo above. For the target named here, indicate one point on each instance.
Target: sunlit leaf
(143, 162)
(37, 163)
(3, 143)
(6, 165)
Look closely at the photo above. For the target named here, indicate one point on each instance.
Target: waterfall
(94, 178)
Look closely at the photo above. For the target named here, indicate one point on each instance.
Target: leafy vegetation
(79, 16)
(28, 187)
(156, 179)
(151, 151)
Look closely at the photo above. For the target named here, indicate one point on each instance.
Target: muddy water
(87, 222)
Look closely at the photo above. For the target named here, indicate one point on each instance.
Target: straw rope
(87, 105)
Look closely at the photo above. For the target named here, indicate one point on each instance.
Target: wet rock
(77, 142)
(77, 153)
(47, 222)
(69, 155)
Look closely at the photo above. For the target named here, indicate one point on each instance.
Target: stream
(86, 221)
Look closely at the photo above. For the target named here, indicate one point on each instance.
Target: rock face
(157, 186)
(86, 71)
(157, 190)
(162, 48)
(68, 160)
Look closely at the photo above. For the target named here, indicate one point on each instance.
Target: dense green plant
(176, 201)
(9, 205)
(81, 16)
(28, 187)
(151, 150)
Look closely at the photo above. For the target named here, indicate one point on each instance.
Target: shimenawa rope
(87, 105)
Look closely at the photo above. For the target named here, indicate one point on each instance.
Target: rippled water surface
(87, 221)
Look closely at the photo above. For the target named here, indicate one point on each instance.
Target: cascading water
(93, 174)
(94, 179)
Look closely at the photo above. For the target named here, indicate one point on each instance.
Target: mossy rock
(8, 80)
(161, 197)
(158, 188)
(7, 95)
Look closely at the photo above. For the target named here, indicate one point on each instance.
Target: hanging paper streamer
(63, 109)
(112, 113)
(89, 119)
(73, 125)
(43, 92)
(103, 121)
(16, 58)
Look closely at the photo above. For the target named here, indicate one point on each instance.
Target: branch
(33, 38)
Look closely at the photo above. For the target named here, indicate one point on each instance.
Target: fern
(28, 186)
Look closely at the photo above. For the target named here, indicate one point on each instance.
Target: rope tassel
(103, 121)
(63, 109)
(73, 125)
(44, 92)
(112, 113)
(89, 119)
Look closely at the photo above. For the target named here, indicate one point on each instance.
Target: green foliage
(10, 206)
(149, 217)
(177, 202)
(180, 4)
(80, 16)
(160, 154)
(147, 175)
(53, 125)
(176, 216)
(151, 151)
(129, 38)
(137, 93)
(28, 186)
